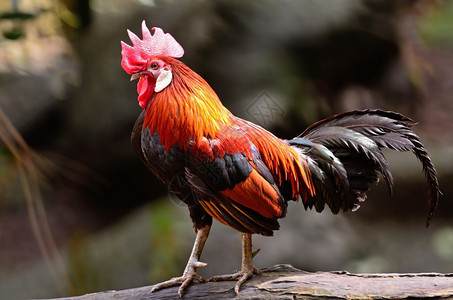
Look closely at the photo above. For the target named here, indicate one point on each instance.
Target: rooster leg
(190, 272)
(247, 268)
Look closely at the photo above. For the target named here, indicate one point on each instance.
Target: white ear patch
(163, 80)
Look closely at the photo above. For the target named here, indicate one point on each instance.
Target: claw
(199, 264)
(244, 278)
(241, 277)
(188, 281)
(254, 253)
(189, 275)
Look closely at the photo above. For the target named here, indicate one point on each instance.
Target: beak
(137, 75)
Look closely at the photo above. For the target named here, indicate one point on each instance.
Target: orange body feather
(257, 194)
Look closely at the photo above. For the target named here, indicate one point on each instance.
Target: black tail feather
(431, 178)
(345, 158)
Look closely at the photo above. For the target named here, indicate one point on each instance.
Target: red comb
(137, 55)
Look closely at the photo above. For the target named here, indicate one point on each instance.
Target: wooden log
(287, 282)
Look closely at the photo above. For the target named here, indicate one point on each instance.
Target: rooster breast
(168, 165)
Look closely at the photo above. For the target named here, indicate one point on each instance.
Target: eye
(154, 66)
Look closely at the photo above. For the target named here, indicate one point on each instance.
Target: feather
(355, 139)
(229, 212)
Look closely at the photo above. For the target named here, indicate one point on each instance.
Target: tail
(344, 156)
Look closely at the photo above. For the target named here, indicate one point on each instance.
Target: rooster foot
(241, 277)
(189, 275)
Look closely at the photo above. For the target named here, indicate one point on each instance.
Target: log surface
(287, 282)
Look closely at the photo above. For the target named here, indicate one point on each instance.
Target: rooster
(236, 172)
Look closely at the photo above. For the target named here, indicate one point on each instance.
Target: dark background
(80, 213)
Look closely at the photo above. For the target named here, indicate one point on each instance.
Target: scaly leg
(190, 272)
(247, 268)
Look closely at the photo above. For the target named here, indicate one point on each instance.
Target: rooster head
(146, 60)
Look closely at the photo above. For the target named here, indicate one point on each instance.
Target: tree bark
(287, 282)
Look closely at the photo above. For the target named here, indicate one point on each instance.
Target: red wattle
(145, 90)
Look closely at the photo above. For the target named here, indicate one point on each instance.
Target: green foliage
(443, 243)
(166, 252)
(84, 271)
(437, 27)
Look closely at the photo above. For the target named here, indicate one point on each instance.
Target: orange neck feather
(186, 110)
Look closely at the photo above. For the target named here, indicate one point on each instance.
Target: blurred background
(80, 213)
